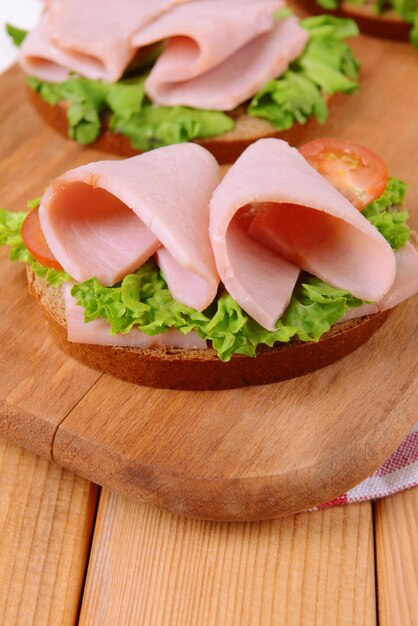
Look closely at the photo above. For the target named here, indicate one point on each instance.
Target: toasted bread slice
(202, 369)
(226, 148)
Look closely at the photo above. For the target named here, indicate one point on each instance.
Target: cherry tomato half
(35, 241)
(356, 172)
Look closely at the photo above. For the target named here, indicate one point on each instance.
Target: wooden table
(70, 553)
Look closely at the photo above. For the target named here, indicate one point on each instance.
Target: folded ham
(97, 331)
(107, 218)
(92, 38)
(219, 54)
(273, 210)
(405, 284)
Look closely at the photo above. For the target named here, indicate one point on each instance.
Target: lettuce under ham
(143, 301)
(326, 66)
(130, 112)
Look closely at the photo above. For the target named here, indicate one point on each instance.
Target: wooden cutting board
(245, 454)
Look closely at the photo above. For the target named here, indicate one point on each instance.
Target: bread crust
(225, 148)
(388, 25)
(202, 369)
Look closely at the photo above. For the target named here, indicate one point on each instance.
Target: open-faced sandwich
(136, 75)
(155, 270)
(394, 19)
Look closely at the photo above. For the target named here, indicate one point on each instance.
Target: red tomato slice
(35, 241)
(358, 174)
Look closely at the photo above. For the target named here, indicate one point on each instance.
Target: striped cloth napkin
(399, 472)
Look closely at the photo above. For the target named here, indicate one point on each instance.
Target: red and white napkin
(399, 472)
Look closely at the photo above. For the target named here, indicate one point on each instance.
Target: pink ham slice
(219, 54)
(107, 218)
(324, 234)
(92, 38)
(39, 57)
(97, 332)
(405, 284)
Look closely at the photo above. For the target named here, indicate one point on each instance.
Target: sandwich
(394, 19)
(132, 76)
(157, 271)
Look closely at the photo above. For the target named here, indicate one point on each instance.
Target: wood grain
(236, 455)
(46, 517)
(150, 567)
(396, 528)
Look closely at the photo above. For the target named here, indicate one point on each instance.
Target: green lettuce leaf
(331, 5)
(86, 99)
(143, 300)
(153, 127)
(126, 98)
(149, 126)
(388, 216)
(132, 113)
(10, 227)
(325, 67)
(17, 35)
(315, 307)
(289, 100)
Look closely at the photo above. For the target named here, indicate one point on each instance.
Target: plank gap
(89, 549)
(60, 423)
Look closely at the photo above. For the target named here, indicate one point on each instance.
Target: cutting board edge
(226, 500)
(25, 429)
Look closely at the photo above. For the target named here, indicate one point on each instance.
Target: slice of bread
(388, 24)
(202, 369)
(226, 148)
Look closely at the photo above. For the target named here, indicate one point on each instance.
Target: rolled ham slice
(219, 53)
(404, 286)
(97, 332)
(298, 219)
(40, 57)
(92, 38)
(107, 218)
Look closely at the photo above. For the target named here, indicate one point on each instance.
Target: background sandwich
(135, 76)
(394, 19)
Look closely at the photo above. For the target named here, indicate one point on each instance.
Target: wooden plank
(150, 567)
(46, 518)
(396, 530)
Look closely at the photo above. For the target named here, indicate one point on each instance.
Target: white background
(21, 13)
